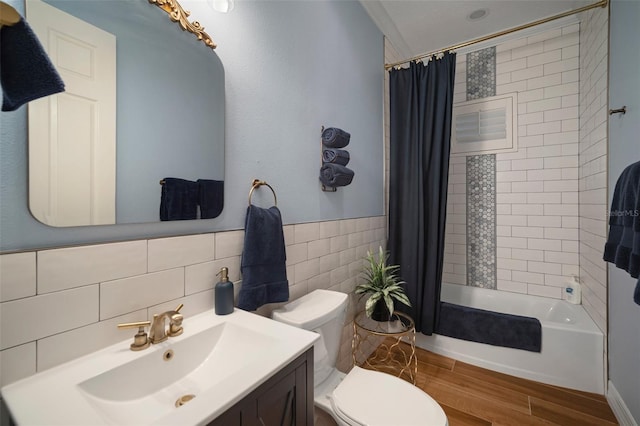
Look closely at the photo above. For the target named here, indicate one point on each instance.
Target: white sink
(186, 380)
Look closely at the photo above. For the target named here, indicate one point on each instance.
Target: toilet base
(322, 393)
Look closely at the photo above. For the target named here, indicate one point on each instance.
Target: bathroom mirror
(168, 118)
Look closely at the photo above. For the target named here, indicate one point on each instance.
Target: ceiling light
(223, 6)
(478, 14)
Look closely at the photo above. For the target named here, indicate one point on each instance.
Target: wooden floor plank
(589, 395)
(435, 359)
(560, 414)
(478, 407)
(428, 357)
(460, 418)
(492, 394)
(572, 400)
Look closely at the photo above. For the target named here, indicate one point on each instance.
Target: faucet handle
(140, 340)
(175, 322)
(175, 325)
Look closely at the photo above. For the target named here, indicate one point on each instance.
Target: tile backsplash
(59, 304)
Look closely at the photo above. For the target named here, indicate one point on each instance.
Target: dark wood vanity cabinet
(285, 399)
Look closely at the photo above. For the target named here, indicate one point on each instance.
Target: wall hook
(622, 111)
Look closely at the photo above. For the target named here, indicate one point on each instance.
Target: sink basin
(189, 379)
(159, 380)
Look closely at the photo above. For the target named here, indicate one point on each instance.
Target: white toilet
(362, 397)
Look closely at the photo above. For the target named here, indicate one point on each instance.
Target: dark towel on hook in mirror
(333, 137)
(211, 198)
(623, 243)
(26, 73)
(179, 199)
(263, 265)
(336, 156)
(335, 175)
(493, 328)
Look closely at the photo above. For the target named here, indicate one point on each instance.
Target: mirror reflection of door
(72, 148)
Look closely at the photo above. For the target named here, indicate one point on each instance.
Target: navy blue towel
(493, 328)
(335, 175)
(623, 243)
(263, 266)
(179, 199)
(26, 73)
(336, 156)
(333, 137)
(211, 198)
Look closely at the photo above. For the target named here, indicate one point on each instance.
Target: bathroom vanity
(284, 399)
(236, 369)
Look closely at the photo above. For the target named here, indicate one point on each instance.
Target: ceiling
(415, 27)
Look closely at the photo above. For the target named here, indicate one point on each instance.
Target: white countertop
(58, 396)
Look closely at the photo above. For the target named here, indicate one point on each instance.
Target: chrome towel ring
(257, 183)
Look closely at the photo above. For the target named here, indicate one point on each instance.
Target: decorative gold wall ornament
(178, 14)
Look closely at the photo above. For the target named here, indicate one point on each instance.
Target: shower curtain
(421, 99)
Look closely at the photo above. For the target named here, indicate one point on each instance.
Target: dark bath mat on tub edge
(493, 328)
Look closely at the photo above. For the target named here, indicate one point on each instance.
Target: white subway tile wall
(18, 272)
(537, 186)
(593, 163)
(65, 268)
(84, 292)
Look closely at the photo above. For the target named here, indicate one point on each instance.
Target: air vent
(482, 126)
(485, 125)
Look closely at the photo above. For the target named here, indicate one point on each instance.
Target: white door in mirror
(72, 134)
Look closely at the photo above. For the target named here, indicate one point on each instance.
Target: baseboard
(618, 406)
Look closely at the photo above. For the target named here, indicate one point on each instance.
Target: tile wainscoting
(59, 304)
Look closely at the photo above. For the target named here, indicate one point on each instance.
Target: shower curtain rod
(601, 3)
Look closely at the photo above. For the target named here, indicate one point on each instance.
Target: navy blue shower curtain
(421, 99)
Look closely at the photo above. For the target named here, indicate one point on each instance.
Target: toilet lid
(372, 398)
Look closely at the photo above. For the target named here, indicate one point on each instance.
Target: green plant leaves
(371, 303)
(381, 282)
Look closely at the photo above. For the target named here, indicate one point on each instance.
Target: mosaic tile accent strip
(481, 221)
(481, 182)
(481, 73)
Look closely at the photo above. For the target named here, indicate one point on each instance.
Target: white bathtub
(572, 345)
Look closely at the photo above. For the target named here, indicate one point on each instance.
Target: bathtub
(572, 353)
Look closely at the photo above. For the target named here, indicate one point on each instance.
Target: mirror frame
(179, 15)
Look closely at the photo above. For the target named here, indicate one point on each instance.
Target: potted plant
(383, 286)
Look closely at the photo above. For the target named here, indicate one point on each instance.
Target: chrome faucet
(158, 331)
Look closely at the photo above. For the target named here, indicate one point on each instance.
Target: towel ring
(257, 183)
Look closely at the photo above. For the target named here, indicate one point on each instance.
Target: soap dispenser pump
(224, 293)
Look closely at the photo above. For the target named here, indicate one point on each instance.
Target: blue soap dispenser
(224, 293)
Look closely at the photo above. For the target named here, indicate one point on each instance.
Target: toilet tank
(322, 311)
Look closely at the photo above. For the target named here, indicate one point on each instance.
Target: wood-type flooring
(474, 396)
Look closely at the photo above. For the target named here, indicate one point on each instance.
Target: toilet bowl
(361, 397)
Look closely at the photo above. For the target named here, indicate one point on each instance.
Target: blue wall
(624, 149)
(290, 68)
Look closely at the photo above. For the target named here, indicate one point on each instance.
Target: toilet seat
(372, 398)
